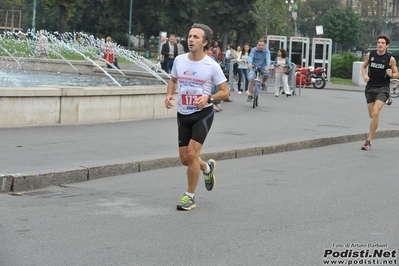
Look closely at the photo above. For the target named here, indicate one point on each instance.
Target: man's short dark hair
(385, 37)
(208, 33)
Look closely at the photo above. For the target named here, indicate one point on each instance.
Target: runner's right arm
(171, 89)
(365, 65)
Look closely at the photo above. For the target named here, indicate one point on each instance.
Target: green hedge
(342, 65)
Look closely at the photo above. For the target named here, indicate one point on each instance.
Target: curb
(36, 180)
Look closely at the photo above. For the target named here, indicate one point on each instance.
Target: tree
(373, 13)
(311, 12)
(103, 18)
(344, 26)
(181, 15)
(11, 4)
(271, 14)
(150, 18)
(67, 8)
(229, 17)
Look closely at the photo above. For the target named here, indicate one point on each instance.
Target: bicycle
(256, 88)
(394, 90)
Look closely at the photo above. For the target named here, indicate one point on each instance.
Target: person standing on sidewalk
(180, 48)
(382, 67)
(194, 75)
(243, 67)
(280, 63)
(169, 51)
(258, 58)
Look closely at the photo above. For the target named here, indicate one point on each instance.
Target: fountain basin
(25, 78)
(60, 66)
(63, 104)
(49, 105)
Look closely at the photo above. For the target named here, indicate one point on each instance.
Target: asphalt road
(279, 209)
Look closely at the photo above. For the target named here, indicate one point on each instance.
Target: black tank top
(378, 65)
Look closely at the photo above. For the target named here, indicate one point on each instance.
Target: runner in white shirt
(196, 79)
(193, 75)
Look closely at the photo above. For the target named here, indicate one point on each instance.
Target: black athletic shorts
(194, 126)
(376, 93)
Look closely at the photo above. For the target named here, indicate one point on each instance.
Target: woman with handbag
(243, 67)
(281, 68)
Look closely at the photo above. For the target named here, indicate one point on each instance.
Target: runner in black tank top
(377, 69)
(382, 67)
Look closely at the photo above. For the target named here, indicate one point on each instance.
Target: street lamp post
(289, 3)
(385, 15)
(33, 31)
(130, 24)
(33, 17)
(299, 21)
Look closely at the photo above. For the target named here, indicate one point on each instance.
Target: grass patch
(341, 81)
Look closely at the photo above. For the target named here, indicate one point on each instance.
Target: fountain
(87, 47)
(58, 90)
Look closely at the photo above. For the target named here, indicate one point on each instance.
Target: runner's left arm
(223, 92)
(220, 82)
(393, 70)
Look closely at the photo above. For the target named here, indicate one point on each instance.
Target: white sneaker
(239, 92)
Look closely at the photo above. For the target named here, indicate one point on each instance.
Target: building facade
(382, 14)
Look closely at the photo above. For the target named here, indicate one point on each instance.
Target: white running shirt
(195, 78)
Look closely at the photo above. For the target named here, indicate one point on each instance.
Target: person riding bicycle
(258, 58)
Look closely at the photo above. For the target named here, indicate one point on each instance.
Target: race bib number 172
(189, 99)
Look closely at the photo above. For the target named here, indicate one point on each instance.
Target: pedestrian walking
(281, 63)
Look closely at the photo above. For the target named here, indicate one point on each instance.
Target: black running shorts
(194, 126)
(376, 93)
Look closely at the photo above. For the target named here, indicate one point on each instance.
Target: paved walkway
(33, 157)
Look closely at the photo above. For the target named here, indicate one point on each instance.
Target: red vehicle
(307, 76)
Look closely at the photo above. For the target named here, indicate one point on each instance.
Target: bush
(342, 65)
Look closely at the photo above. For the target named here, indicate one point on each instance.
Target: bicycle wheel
(255, 94)
(394, 88)
(255, 102)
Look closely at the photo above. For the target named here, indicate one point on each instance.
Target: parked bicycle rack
(231, 74)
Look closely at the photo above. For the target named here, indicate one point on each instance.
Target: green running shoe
(186, 203)
(210, 179)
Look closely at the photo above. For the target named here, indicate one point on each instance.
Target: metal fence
(10, 20)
